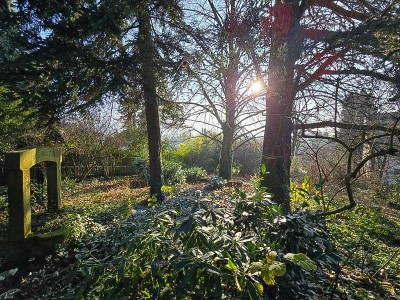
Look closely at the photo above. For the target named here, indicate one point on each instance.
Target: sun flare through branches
(256, 87)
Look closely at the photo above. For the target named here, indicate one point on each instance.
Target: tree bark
(285, 50)
(225, 161)
(228, 129)
(149, 82)
(230, 85)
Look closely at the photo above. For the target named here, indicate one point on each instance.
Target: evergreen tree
(74, 54)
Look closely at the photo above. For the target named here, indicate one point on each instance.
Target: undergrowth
(206, 249)
(367, 238)
(230, 245)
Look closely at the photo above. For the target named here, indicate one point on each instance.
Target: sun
(256, 87)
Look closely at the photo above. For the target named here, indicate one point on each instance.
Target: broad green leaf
(271, 256)
(211, 269)
(254, 290)
(263, 169)
(231, 265)
(189, 274)
(301, 260)
(13, 271)
(278, 268)
(267, 276)
(259, 287)
(145, 293)
(255, 267)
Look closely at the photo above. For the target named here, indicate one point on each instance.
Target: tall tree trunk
(230, 84)
(149, 81)
(228, 129)
(285, 50)
(225, 160)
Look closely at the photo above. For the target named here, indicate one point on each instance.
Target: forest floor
(89, 208)
(368, 238)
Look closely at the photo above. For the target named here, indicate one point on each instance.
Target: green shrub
(301, 232)
(3, 203)
(173, 173)
(203, 152)
(195, 174)
(3, 199)
(197, 151)
(69, 185)
(217, 182)
(80, 226)
(200, 250)
(140, 167)
(368, 239)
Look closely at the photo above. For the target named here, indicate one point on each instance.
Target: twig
(338, 271)
(395, 253)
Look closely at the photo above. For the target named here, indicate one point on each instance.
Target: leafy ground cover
(89, 208)
(367, 238)
(98, 200)
(222, 242)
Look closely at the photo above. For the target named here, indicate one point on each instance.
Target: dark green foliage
(173, 173)
(217, 182)
(140, 167)
(203, 250)
(250, 214)
(15, 120)
(301, 232)
(72, 55)
(3, 199)
(200, 151)
(368, 238)
(195, 174)
(194, 152)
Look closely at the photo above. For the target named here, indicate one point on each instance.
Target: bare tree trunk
(149, 81)
(228, 129)
(225, 161)
(285, 50)
(231, 79)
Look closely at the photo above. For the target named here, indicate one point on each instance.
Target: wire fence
(96, 171)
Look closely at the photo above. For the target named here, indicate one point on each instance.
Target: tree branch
(347, 126)
(370, 73)
(341, 11)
